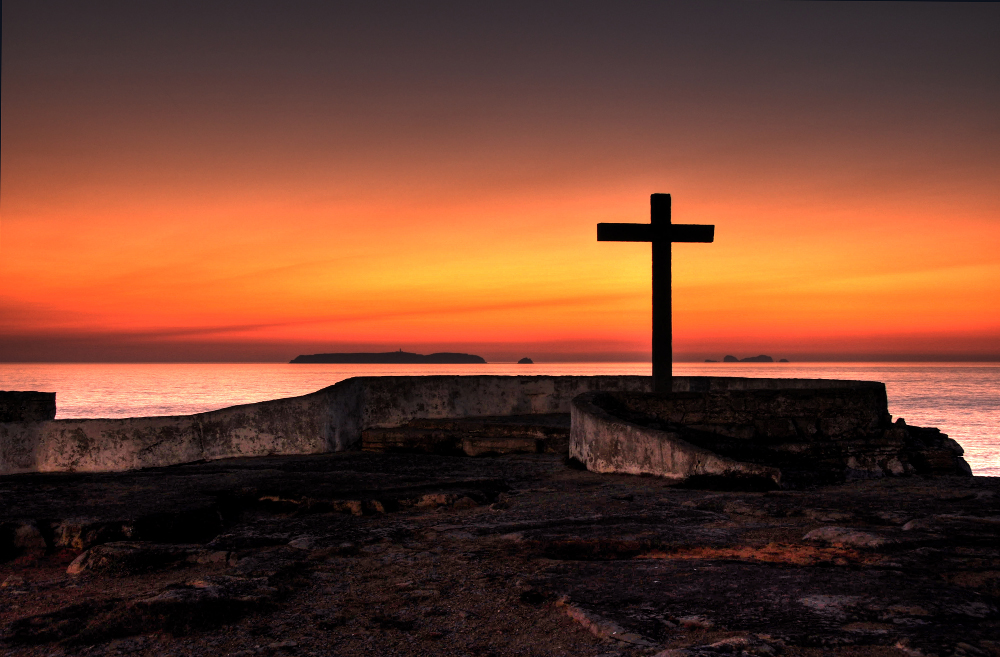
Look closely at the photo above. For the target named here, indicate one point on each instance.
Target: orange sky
(253, 186)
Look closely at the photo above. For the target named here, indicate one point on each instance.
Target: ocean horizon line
(537, 361)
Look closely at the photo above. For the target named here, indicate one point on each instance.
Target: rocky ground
(383, 554)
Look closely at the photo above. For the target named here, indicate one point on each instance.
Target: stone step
(474, 436)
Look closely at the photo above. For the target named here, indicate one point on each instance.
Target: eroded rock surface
(370, 554)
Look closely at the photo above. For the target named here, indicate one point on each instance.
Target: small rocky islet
(391, 358)
(762, 358)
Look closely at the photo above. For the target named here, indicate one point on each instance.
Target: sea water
(962, 399)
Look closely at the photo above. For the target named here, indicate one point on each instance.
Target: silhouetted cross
(661, 233)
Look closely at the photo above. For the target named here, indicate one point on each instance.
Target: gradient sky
(253, 181)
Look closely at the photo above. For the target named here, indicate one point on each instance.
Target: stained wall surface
(330, 419)
(333, 418)
(802, 433)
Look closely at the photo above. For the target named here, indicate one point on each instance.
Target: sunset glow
(437, 186)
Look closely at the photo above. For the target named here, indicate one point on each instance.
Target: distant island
(752, 359)
(390, 358)
(525, 361)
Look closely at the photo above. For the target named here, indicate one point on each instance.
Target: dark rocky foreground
(386, 553)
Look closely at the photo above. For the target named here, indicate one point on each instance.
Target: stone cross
(661, 233)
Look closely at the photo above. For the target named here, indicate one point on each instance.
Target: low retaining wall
(328, 420)
(284, 426)
(606, 443)
(804, 431)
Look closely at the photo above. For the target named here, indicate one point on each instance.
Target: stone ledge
(329, 420)
(606, 443)
(334, 418)
(828, 434)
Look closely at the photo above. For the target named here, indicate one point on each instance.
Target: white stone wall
(328, 420)
(604, 443)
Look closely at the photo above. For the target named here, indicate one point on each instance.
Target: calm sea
(962, 399)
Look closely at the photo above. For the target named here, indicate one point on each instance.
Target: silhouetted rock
(709, 360)
(525, 361)
(757, 359)
(391, 358)
(783, 360)
(27, 406)
(131, 557)
(730, 359)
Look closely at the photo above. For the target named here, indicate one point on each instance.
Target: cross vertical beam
(663, 334)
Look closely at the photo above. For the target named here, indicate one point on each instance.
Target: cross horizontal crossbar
(651, 233)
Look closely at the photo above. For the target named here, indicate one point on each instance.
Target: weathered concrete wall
(27, 406)
(284, 426)
(652, 434)
(328, 420)
(332, 419)
(813, 431)
(390, 401)
(606, 443)
(768, 415)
